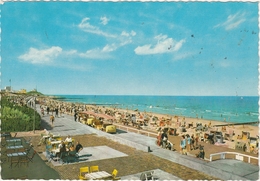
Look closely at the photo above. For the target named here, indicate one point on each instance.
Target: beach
(231, 133)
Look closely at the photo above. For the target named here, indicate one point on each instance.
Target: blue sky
(130, 48)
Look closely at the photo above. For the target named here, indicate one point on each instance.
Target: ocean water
(233, 109)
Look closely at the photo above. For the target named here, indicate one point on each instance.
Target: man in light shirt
(68, 140)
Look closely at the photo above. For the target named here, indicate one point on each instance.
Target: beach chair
(82, 172)
(94, 169)
(30, 158)
(114, 175)
(24, 160)
(245, 135)
(147, 176)
(14, 161)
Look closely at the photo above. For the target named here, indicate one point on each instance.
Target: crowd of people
(187, 143)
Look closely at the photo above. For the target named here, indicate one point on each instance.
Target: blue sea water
(233, 109)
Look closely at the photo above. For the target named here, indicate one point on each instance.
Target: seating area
(93, 173)
(15, 151)
(87, 154)
(53, 144)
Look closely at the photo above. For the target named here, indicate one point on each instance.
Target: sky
(131, 48)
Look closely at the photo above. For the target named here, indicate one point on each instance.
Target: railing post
(249, 159)
(210, 158)
(223, 156)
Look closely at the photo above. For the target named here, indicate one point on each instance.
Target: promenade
(224, 169)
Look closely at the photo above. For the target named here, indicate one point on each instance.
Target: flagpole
(10, 85)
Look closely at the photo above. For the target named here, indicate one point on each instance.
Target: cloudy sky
(130, 48)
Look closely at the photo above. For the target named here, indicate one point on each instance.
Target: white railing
(238, 156)
(127, 128)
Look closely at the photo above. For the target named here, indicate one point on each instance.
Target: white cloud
(87, 27)
(233, 21)
(110, 48)
(97, 53)
(104, 20)
(164, 45)
(71, 52)
(44, 56)
(132, 33)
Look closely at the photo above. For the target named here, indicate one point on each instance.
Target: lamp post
(34, 114)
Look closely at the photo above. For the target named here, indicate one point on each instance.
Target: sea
(233, 109)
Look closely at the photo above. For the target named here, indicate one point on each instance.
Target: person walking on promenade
(183, 145)
(159, 137)
(196, 141)
(79, 147)
(169, 145)
(75, 116)
(48, 109)
(42, 111)
(164, 138)
(52, 120)
(192, 142)
(56, 112)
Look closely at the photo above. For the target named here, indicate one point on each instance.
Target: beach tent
(105, 116)
(253, 142)
(245, 135)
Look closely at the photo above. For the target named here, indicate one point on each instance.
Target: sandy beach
(232, 134)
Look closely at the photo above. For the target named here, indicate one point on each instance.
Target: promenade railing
(132, 129)
(238, 156)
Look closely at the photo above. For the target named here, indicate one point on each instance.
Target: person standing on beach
(52, 120)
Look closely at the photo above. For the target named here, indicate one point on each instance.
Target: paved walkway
(223, 169)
